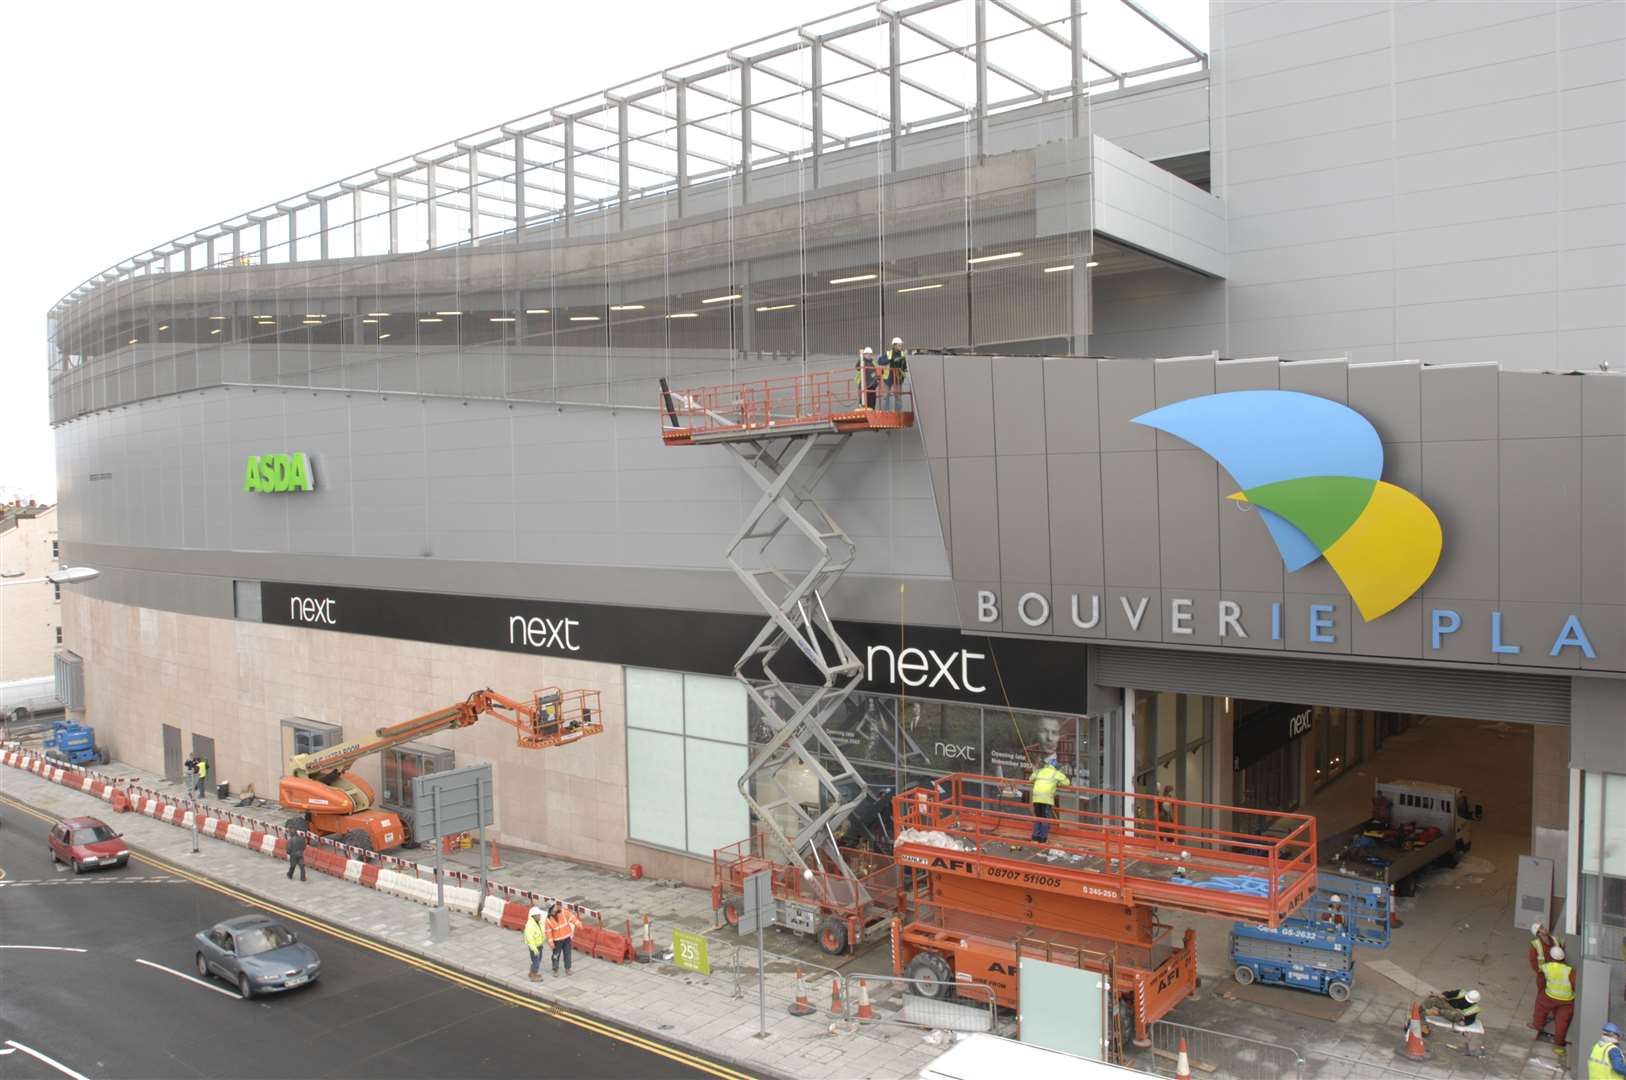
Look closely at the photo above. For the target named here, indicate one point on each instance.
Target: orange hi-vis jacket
(562, 928)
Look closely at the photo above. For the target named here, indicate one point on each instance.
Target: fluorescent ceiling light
(626, 307)
(161, 329)
(502, 318)
(217, 318)
(1057, 269)
(921, 288)
(381, 337)
(364, 321)
(536, 311)
(1088, 265)
(776, 307)
(584, 318)
(685, 315)
(722, 299)
(214, 331)
(448, 313)
(431, 320)
(133, 341)
(850, 280)
(265, 316)
(378, 314)
(994, 258)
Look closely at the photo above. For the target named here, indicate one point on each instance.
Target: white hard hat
(897, 341)
(1556, 952)
(868, 351)
(1535, 928)
(535, 912)
(1473, 997)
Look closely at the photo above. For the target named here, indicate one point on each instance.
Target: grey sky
(127, 124)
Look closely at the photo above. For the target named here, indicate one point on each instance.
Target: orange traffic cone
(496, 857)
(1414, 1048)
(865, 1011)
(803, 1005)
(836, 1008)
(1182, 1064)
(646, 948)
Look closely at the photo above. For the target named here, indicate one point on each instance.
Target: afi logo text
(308, 609)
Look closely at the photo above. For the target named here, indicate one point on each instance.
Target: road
(106, 1011)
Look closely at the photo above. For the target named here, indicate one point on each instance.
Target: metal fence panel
(1219, 1055)
(892, 1000)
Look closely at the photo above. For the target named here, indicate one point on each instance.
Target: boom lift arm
(338, 802)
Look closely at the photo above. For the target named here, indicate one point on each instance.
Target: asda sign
(278, 472)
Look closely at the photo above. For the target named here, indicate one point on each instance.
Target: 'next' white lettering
(542, 633)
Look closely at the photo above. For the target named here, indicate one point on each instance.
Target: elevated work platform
(978, 828)
(818, 403)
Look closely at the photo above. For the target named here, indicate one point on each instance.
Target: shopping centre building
(346, 458)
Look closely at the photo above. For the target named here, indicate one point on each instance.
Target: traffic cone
(646, 949)
(1182, 1064)
(1414, 1048)
(865, 1010)
(496, 857)
(803, 1005)
(836, 1008)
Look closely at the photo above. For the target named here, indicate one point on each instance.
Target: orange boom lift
(341, 804)
(985, 896)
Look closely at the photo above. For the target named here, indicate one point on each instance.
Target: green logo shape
(278, 472)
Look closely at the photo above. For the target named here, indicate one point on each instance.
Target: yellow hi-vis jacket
(203, 769)
(1598, 1065)
(535, 936)
(1557, 974)
(1045, 780)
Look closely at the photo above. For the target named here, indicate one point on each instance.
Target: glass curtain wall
(1602, 906)
(686, 749)
(717, 225)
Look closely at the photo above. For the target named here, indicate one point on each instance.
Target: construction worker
(536, 935)
(296, 852)
(1541, 942)
(562, 923)
(203, 775)
(1045, 780)
(1557, 998)
(897, 370)
(1455, 1006)
(869, 376)
(1606, 1061)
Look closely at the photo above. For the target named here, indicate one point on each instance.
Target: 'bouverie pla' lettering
(278, 472)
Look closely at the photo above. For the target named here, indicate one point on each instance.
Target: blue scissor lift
(1315, 948)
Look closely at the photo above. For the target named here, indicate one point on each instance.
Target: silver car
(257, 954)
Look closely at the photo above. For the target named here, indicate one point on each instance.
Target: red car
(83, 842)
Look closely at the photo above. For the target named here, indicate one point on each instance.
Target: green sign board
(689, 952)
(278, 472)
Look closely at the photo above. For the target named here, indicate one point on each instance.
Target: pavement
(713, 1015)
(97, 976)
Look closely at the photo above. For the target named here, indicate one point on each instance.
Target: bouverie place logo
(1313, 469)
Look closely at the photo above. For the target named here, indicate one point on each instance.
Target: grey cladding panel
(1176, 380)
(1075, 518)
(1323, 378)
(1462, 486)
(1460, 402)
(1389, 395)
(1188, 519)
(1071, 412)
(1019, 404)
(1024, 519)
(1126, 391)
(926, 379)
(1537, 406)
(1603, 515)
(969, 405)
(1129, 486)
(1541, 550)
(974, 518)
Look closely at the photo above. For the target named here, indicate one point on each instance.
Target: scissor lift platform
(818, 403)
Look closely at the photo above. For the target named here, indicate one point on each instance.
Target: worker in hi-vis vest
(1607, 1060)
(1557, 998)
(535, 937)
(1540, 942)
(203, 775)
(1045, 780)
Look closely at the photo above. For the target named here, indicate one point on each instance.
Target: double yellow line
(598, 1027)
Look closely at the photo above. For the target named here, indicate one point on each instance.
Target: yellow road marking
(598, 1027)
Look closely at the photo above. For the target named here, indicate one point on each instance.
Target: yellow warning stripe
(599, 1027)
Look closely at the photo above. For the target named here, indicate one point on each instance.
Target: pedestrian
(1165, 808)
(562, 923)
(1455, 1006)
(1541, 942)
(1045, 780)
(1557, 998)
(1606, 1061)
(296, 852)
(896, 366)
(536, 936)
(203, 775)
(868, 376)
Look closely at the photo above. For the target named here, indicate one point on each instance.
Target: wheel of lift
(1338, 991)
(731, 911)
(1243, 974)
(832, 935)
(930, 976)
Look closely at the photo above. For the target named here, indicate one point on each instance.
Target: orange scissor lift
(785, 433)
(985, 895)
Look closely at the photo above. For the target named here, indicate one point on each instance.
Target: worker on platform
(1607, 1060)
(869, 375)
(1557, 998)
(562, 923)
(1541, 943)
(536, 935)
(897, 370)
(1045, 780)
(1455, 1006)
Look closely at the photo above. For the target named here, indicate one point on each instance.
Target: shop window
(686, 748)
(403, 764)
(1603, 870)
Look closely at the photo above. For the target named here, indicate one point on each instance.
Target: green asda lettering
(278, 472)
